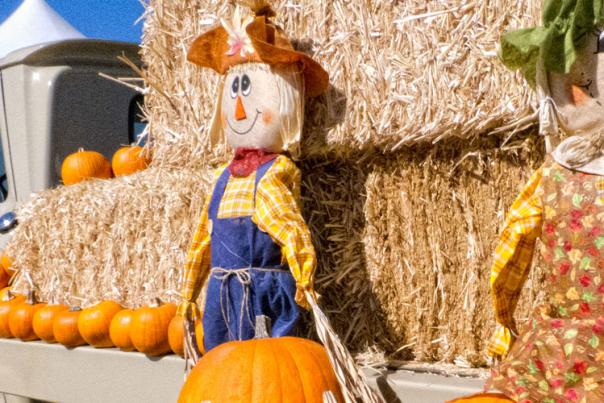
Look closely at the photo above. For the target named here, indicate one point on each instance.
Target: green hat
(566, 26)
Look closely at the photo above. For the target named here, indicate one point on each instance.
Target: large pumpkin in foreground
(83, 165)
(272, 370)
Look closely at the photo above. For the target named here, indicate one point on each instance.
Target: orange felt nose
(240, 110)
(578, 95)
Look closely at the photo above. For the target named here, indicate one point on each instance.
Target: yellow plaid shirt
(512, 260)
(277, 213)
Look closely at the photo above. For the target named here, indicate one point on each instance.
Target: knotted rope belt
(244, 276)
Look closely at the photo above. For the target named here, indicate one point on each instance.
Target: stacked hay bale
(410, 161)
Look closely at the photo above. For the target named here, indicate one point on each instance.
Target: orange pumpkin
(83, 165)
(176, 335)
(6, 304)
(7, 264)
(65, 328)
(119, 331)
(4, 278)
(199, 337)
(128, 160)
(5, 294)
(280, 367)
(149, 329)
(43, 321)
(94, 323)
(483, 398)
(20, 320)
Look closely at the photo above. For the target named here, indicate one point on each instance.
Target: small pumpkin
(176, 335)
(267, 369)
(7, 302)
(4, 278)
(7, 264)
(83, 165)
(149, 329)
(5, 294)
(65, 328)
(199, 336)
(43, 322)
(94, 323)
(128, 160)
(119, 331)
(20, 320)
(483, 398)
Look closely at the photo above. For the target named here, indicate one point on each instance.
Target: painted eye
(235, 87)
(246, 85)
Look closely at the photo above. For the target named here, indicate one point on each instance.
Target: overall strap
(217, 193)
(260, 172)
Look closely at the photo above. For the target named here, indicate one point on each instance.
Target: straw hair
(352, 382)
(579, 150)
(258, 7)
(290, 84)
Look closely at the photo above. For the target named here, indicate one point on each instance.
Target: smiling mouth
(249, 129)
(585, 86)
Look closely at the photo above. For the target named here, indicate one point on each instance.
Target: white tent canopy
(33, 23)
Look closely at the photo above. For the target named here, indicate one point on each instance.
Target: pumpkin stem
(263, 327)
(157, 302)
(31, 297)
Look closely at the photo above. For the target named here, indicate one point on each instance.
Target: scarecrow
(558, 356)
(252, 246)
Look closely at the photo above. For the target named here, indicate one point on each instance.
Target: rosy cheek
(267, 117)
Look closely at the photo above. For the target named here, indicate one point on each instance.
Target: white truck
(52, 102)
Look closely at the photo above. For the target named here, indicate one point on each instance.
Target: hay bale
(404, 243)
(432, 221)
(123, 239)
(402, 73)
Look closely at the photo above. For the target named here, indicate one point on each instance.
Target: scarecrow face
(579, 94)
(250, 108)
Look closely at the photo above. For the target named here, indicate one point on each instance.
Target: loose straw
(352, 382)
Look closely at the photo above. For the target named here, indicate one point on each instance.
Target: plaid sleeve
(277, 213)
(512, 260)
(197, 264)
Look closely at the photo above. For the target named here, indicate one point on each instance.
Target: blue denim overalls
(247, 277)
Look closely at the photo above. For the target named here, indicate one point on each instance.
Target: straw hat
(255, 39)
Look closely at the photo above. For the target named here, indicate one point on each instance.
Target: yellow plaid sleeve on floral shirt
(512, 260)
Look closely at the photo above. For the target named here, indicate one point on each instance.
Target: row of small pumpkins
(91, 164)
(157, 330)
(152, 330)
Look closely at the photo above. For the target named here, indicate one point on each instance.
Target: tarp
(33, 23)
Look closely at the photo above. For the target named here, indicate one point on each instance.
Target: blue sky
(99, 19)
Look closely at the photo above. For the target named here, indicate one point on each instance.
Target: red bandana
(247, 160)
